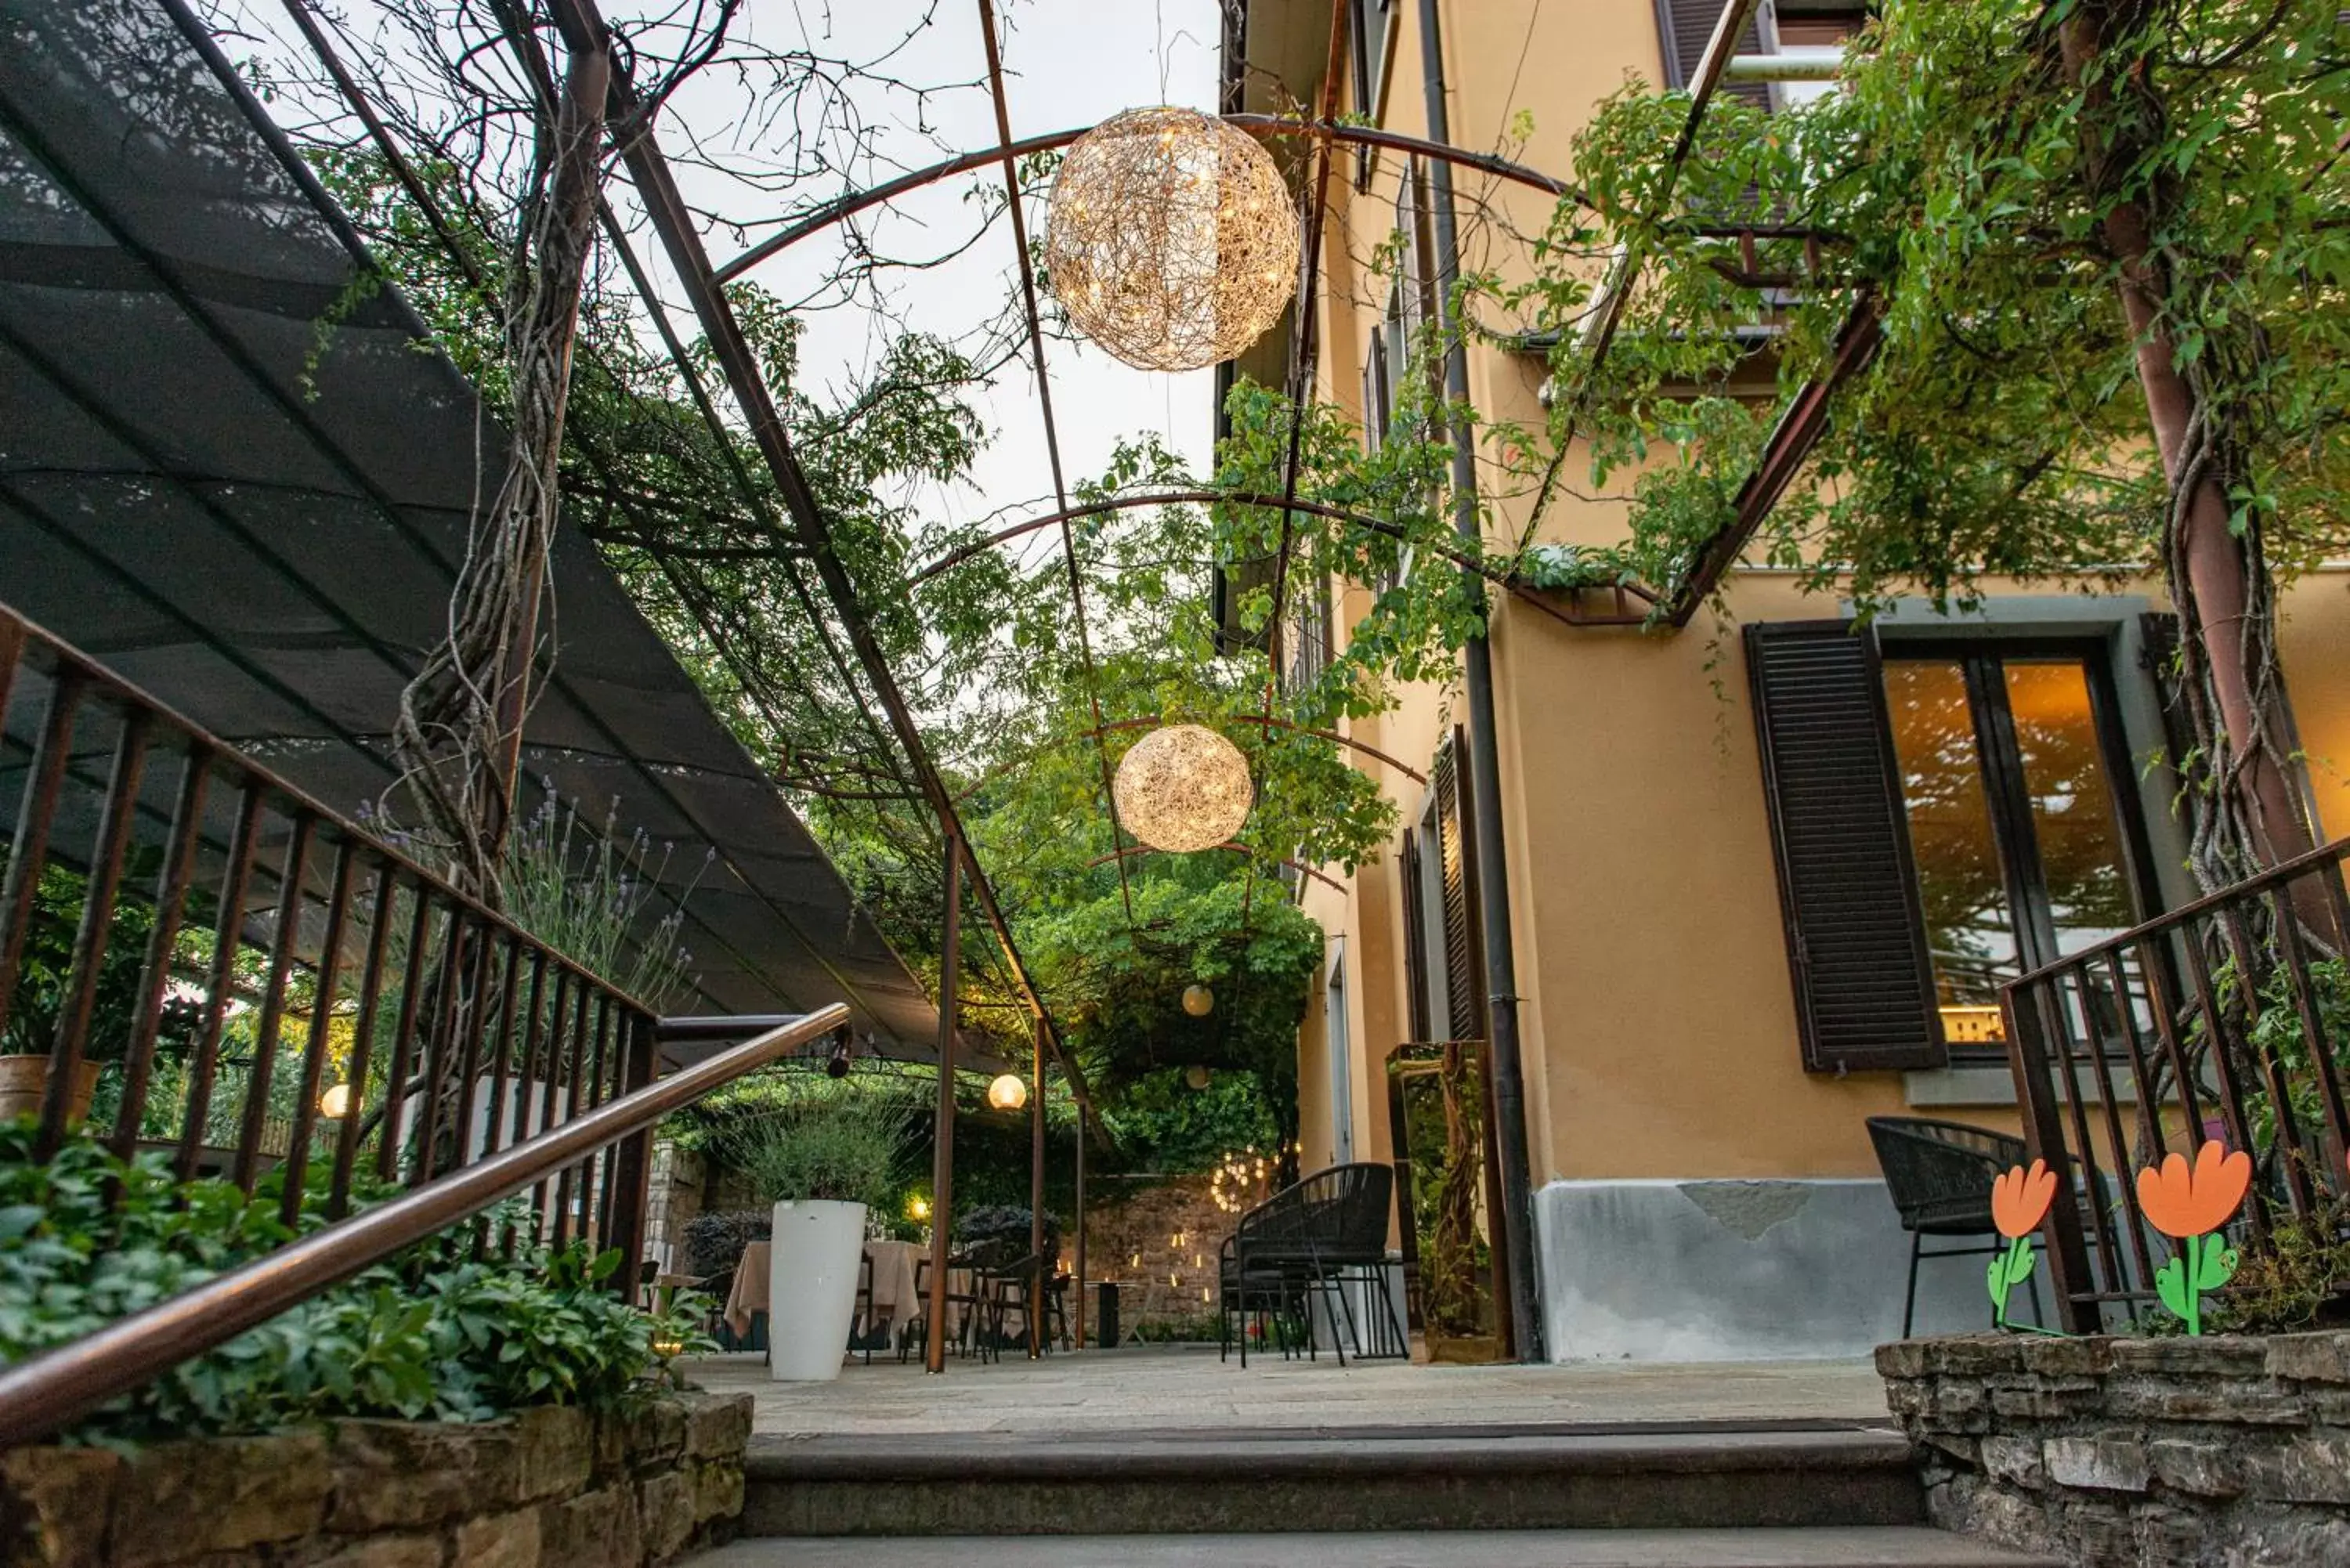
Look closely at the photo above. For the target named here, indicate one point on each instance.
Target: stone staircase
(1721, 1495)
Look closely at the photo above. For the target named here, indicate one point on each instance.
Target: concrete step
(1866, 1546)
(1720, 1476)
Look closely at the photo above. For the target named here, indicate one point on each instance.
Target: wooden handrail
(40, 1396)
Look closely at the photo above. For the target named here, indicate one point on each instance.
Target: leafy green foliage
(435, 1332)
(2299, 1279)
(1164, 1124)
(1995, 176)
(47, 961)
(843, 1146)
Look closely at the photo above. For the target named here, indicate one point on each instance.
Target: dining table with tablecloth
(893, 1303)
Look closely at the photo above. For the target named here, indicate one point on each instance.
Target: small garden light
(1008, 1093)
(1198, 1000)
(335, 1103)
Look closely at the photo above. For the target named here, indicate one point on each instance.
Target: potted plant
(43, 974)
(823, 1161)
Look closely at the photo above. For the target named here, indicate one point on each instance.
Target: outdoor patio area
(1186, 1389)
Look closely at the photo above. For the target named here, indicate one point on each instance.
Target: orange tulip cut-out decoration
(2018, 1202)
(2190, 1203)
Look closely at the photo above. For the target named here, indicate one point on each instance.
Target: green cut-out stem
(2008, 1271)
(2204, 1264)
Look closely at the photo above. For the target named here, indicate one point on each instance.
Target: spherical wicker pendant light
(1172, 238)
(1182, 788)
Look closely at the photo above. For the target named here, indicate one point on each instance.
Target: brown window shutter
(1415, 940)
(1464, 957)
(1847, 890)
(1685, 27)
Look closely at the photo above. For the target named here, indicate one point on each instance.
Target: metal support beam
(1263, 125)
(1484, 765)
(1038, 1283)
(1798, 430)
(1467, 560)
(666, 210)
(935, 1351)
(1078, 1264)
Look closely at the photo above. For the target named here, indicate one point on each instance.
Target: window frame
(2006, 797)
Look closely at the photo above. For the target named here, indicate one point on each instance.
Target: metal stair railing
(259, 983)
(42, 1394)
(2222, 1018)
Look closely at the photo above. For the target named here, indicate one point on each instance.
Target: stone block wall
(549, 1488)
(2134, 1453)
(1159, 1244)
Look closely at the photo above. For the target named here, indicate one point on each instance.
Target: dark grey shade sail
(236, 475)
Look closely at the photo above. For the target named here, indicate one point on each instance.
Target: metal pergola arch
(583, 27)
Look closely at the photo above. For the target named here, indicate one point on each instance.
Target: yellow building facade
(1703, 1180)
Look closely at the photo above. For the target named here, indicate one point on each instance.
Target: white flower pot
(812, 1288)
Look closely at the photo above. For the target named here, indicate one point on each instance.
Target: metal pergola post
(1078, 1265)
(1484, 765)
(934, 1352)
(1036, 1281)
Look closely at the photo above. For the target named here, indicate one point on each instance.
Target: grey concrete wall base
(1739, 1270)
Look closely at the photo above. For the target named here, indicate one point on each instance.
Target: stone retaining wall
(2130, 1453)
(551, 1486)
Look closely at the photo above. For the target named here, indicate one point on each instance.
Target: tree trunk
(459, 731)
(2253, 815)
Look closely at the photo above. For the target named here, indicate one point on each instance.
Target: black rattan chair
(1304, 1242)
(1940, 1174)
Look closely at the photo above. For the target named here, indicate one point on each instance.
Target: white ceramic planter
(812, 1288)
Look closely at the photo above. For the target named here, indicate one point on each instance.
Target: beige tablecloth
(893, 1281)
(893, 1284)
(749, 1291)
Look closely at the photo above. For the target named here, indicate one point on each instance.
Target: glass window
(2074, 820)
(1969, 927)
(2015, 821)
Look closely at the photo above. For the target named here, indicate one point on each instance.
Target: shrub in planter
(825, 1161)
(838, 1148)
(433, 1333)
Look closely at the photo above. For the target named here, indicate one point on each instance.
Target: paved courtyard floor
(1175, 1388)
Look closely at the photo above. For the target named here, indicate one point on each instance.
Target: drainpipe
(1484, 766)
